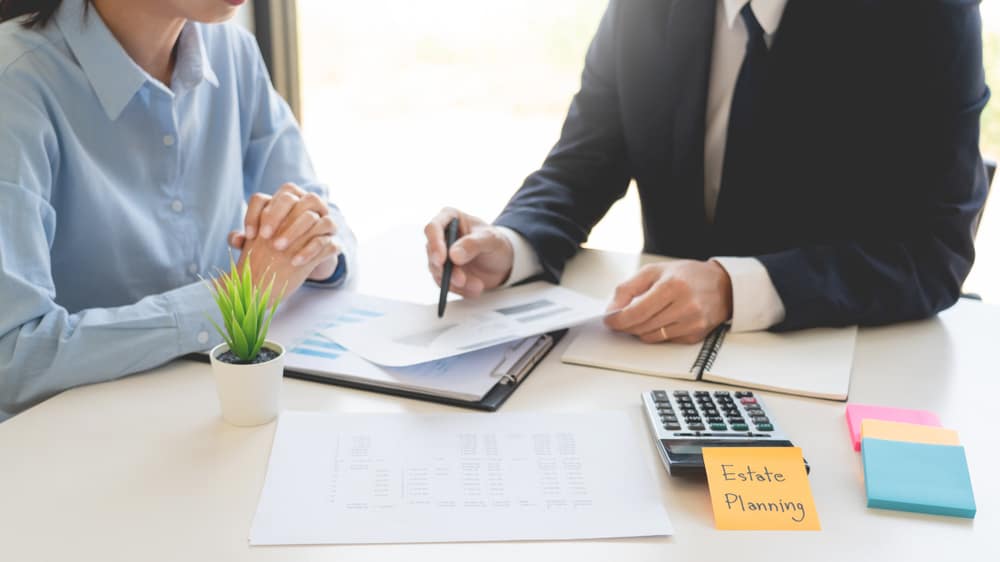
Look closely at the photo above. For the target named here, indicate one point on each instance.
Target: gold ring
(663, 332)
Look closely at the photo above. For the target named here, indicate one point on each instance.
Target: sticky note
(858, 412)
(759, 488)
(918, 477)
(911, 432)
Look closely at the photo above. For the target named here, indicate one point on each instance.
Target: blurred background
(410, 106)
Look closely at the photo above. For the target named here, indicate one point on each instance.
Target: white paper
(465, 377)
(814, 362)
(595, 345)
(405, 333)
(356, 479)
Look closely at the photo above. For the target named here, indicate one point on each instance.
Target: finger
(468, 248)
(658, 297)
(252, 219)
(474, 286)
(458, 277)
(328, 252)
(295, 229)
(313, 250)
(636, 285)
(236, 240)
(678, 332)
(275, 212)
(659, 335)
(434, 231)
(677, 312)
(292, 189)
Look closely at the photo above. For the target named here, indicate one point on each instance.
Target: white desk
(144, 469)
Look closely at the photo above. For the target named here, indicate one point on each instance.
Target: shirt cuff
(337, 278)
(192, 306)
(526, 262)
(756, 303)
(346, 262)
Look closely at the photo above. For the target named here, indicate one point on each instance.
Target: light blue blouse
(117, 192)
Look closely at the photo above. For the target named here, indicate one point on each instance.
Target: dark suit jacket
(869, 173)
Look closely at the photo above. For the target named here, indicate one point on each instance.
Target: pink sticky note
(858, 412)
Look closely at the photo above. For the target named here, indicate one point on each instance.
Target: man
(816, 163)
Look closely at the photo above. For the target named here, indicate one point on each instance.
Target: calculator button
(701, 393)
(765, 427)
(743, 394)
(714, 420)
(692, 419)
(671, 427)
(719, 393)
(689, 412)
(760, 419)
(718, 427)
(669, 419)
(748, 400)
(660, 395)
(696, 427)
(679, 393)
(740, 427)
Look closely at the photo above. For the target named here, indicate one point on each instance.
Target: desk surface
(144, 469)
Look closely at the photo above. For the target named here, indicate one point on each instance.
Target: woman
(131, 134)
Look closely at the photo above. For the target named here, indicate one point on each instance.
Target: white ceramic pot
(249, 394)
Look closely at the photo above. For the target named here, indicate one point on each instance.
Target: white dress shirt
(756, 303)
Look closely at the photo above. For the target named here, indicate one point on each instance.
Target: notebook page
(594, 345)
(813, 362)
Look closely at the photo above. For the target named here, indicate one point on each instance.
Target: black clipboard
(491, 402)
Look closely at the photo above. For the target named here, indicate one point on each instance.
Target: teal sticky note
(918, 477)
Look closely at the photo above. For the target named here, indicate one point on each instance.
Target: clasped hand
(290, 236)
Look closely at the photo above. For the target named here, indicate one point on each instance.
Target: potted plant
(247, 368)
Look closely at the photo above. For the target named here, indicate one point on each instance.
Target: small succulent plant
(244, 308)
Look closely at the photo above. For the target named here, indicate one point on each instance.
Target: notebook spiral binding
(710, 350)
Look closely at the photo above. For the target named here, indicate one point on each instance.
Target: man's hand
(483, 257)
(293, 220)
(680, 301)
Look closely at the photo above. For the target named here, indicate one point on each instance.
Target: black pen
(450, 234)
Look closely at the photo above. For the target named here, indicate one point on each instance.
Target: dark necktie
(738, 159)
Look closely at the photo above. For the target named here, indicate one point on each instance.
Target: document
(357, 479)
(396, 334)
(463, 377)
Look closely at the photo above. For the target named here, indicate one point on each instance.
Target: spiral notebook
(815, 363)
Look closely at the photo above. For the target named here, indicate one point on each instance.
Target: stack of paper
(368, 478)
(912, 466)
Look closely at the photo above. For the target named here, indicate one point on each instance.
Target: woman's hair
(37, 12)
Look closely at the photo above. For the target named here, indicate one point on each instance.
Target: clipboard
(510, 373)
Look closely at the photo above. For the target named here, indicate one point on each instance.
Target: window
(410, 106)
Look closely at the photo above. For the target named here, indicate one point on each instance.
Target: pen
(451, 232)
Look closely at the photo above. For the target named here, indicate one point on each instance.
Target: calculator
(684, 421)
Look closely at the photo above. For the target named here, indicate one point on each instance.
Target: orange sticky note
(912, 432)
(760, 488)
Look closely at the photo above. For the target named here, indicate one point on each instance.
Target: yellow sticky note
(760, 488)
(915, 433)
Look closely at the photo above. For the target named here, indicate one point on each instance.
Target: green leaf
(225, 337)
(241, 347)
(250, 325)
(234, 295)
